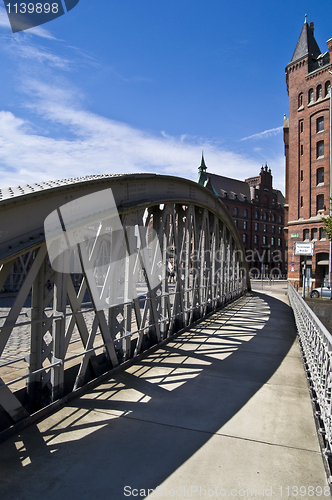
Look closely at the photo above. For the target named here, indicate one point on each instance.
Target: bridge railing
(316, 345)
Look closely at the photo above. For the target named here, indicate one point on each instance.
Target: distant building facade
(257, 210)
(307, 151)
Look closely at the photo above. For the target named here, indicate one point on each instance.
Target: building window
(280, 230)
(235, 222)
(327, 88)
(320, 149)
(280, 219)
(273, 218)
(320, 202)
(301, 175)
(245, 213)
(256, 239)
(311, 95)
(272, 241)
(256, 226)
(236, 212)
(301, 202)
(322, 233)
(320, 124)
(300, 99)
(244, 224)
(314, 233)
(305, 234)
(279, 242)
(320, 175)
(301, 127)
(301, 149)
(244, 238)
(319, 92)
(273, 229)
(264, 228)
(265, 216)
(264, 240)
(256, 215)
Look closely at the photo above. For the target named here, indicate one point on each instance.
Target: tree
(328, 223)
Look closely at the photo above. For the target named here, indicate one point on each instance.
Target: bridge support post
(34, 382)
(58, 333)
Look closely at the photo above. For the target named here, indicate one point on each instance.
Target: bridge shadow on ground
(177, 411)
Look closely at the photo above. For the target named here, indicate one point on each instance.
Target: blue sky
(145, 85)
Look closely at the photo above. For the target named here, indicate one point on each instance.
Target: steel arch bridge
(70, 336)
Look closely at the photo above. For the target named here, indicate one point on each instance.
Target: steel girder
(65, 339)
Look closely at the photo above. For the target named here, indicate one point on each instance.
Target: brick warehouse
(257, 210)
(307, 152)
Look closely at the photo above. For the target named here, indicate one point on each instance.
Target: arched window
(300, 99)
(311, 95)
(327, 88)
(256, 239)
(236, 212)
(245, 213)
(319, 92)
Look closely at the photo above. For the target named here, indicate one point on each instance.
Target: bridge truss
(63, 337)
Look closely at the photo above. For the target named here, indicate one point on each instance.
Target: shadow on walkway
(158, 417)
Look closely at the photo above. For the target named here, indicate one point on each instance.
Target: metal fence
(316, 345)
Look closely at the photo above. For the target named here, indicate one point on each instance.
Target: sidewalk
(221, 411)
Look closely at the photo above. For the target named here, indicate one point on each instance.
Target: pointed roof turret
(202, 177)
(306, 43)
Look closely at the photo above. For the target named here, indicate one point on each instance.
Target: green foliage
(328, 223)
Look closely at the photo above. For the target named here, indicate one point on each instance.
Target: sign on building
(304, 248)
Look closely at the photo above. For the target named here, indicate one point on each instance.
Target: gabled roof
(230, 188)
(306, 44)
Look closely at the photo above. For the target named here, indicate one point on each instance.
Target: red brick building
(308, 159)
(257, 210)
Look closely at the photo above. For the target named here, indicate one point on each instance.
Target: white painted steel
(67, 327)
(316, 344)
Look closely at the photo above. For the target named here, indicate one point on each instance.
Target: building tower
(308, 157)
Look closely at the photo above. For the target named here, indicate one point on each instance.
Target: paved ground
(221, 411)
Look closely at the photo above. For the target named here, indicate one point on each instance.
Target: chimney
(312, 27)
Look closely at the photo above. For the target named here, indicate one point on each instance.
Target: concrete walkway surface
(223, 410)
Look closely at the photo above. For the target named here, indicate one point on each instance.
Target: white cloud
(262, 135)
(4, 21)
(100, 145)
(42, 32)
(42, 56)
(92, 144)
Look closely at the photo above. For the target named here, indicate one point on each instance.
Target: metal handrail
(316, 345)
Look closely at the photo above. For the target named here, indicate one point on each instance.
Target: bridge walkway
(222, 410)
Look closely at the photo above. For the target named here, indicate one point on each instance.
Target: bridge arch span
(178, 257)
